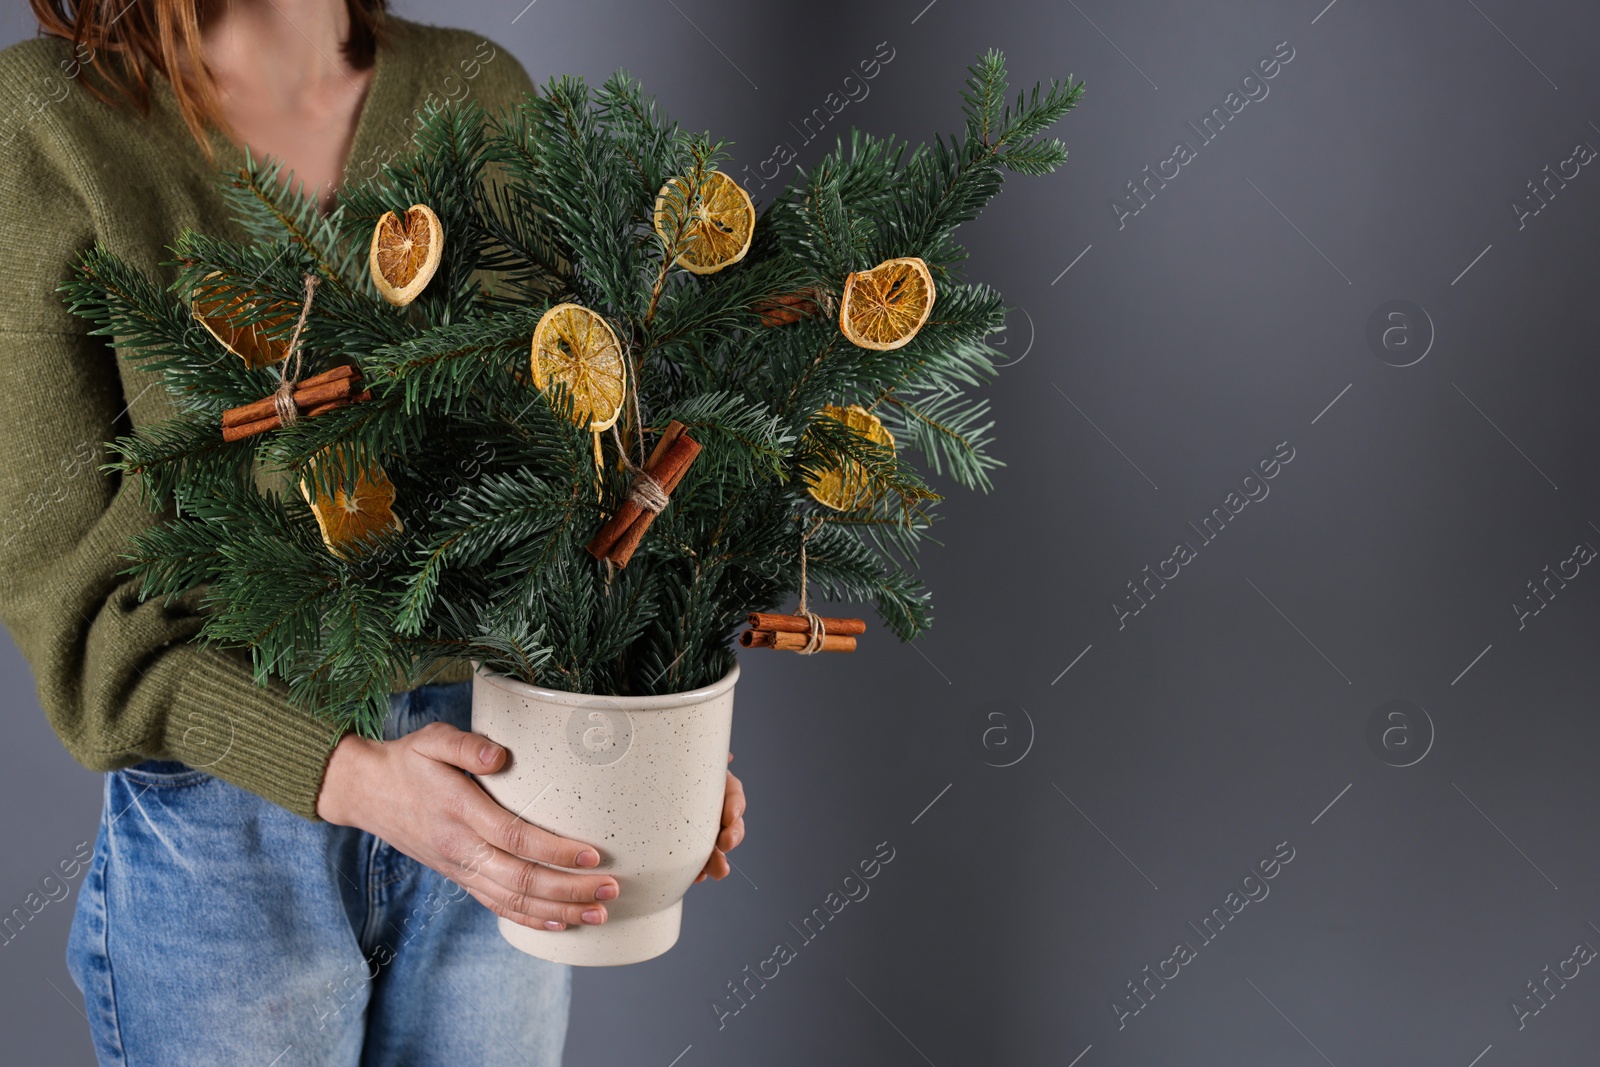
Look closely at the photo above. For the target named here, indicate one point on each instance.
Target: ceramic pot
(639, 778)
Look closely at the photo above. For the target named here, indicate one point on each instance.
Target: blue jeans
(214, 927)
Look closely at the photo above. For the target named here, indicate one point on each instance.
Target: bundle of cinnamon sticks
(784, 308)
(619, 538)
(792, 633)
(315, 395)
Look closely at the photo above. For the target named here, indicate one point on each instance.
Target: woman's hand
(732, 830)
(411, 792)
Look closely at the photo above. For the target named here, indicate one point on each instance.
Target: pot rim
(562, 697)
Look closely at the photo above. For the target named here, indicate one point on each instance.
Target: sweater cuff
(223, 723)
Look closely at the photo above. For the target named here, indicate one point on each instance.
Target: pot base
(619, 940)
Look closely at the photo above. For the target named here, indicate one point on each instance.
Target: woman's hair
(125, 40)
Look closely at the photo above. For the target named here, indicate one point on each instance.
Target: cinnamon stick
(344, 370)
(628, 512)
(604, 541)
(669, 472)
(781, 309)
(321, 394)
(250, 429)
(247, 413)
(668, 438)
(799, 624)
(795, 642)
(311, 391)
(787, 642)
(338, 402)
(272, 422)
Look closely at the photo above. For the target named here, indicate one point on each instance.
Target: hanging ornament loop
(648, 494)
(283, 400)
(804, 632)
(817, 630)
(296, 397)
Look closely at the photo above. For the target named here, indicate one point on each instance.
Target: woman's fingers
(733, 806)
(732, 832)
(414, 796)
(733, 800)
(532, 893)
(729, 837)
(717, 866)
(503, 829)
(506, 831)
(540, 915)
(525, 881)
(531, 889)
(507, 845)
(517, 885)
(457, 747)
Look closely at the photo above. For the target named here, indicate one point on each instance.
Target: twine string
(283, 404)
(648, 493)
(815, 635)
(645, 491)
(817, 630)
(638, 418)
(283, 399)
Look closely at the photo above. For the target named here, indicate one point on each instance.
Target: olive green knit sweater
(119, 679)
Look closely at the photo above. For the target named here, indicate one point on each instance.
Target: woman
(262, 886)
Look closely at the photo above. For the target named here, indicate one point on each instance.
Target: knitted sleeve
(119, 679)
(117, 676)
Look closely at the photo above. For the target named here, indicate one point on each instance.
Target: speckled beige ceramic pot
(640, 778)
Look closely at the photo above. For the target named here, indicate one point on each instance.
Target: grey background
(1228, 715)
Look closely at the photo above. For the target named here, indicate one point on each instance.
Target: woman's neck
(285, 86)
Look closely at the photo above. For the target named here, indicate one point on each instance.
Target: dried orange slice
(221, 309)
(718, 222)
(883, 308)
(348, 520)
(575, 346)
(846, 488)
(405, 253)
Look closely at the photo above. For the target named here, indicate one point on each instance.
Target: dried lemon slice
(846, 488)
(405, 252)
(718, 222)
(348, 520)
(574, 346)
(883, 308)
(221, 307)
